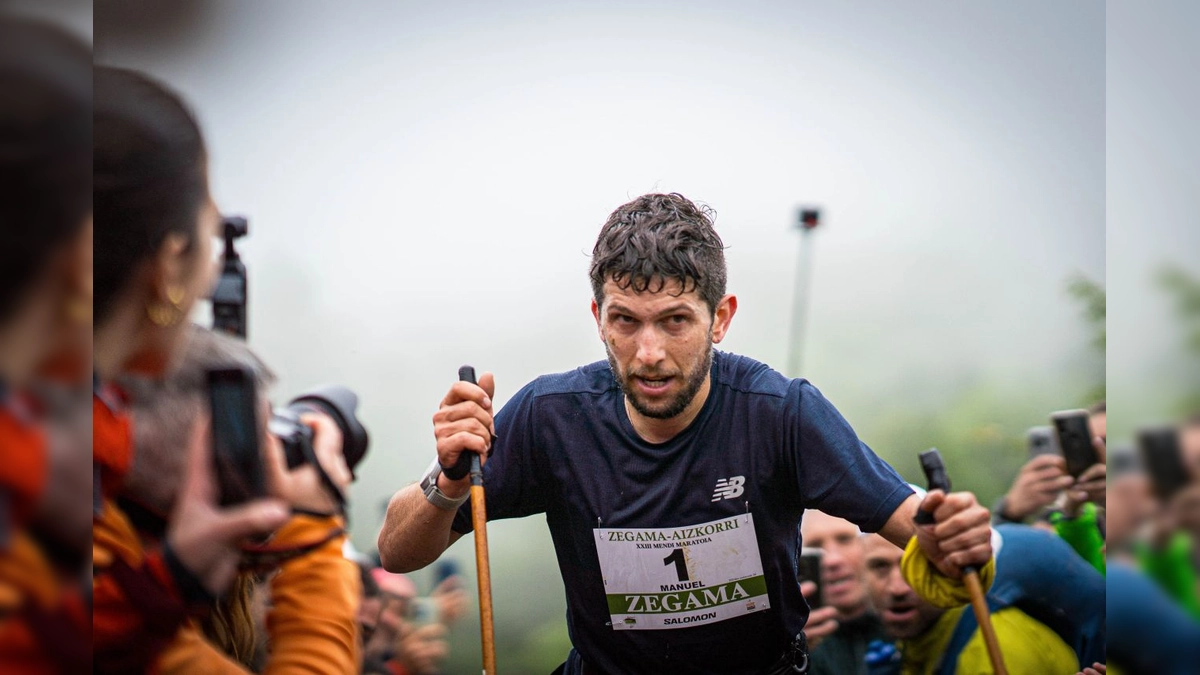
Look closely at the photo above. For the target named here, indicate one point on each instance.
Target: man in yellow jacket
(924, 631)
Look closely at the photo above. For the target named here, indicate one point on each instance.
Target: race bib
(681, 576)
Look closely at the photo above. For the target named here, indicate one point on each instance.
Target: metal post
(809, 219)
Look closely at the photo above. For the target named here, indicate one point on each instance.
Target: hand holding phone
(1160, 453)
(1075, 438)
(808, 568)
(236, 434)
(1042, 441)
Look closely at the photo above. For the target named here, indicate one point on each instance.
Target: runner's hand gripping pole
(938, 479)
(469, 461)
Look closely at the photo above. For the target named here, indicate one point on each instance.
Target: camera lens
(341, 405)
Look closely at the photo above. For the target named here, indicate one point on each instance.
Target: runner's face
(842, 564)
(904, 614)
(659, 346)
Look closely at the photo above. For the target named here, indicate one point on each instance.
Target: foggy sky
(423, 184)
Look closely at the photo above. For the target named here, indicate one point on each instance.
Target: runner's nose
(650, 350)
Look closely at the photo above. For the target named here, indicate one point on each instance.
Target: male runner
(674, 476)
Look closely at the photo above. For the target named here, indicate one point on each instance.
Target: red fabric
(46, 629)
(22, 463)
(112, 442)
(135, 606)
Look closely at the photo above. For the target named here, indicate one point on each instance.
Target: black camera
(230, 294)
(337, 402)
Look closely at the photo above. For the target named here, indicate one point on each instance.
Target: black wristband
(193, 593)
(314, 514)
(999, 515)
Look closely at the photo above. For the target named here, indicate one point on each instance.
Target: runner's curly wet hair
(658, 238)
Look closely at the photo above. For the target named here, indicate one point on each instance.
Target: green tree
(1093, 299)
(1184, 290)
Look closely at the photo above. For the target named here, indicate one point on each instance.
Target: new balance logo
(728, 488)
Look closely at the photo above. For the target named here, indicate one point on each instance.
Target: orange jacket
(312, 624)
(136, 607)
(140, 619)
(46, 630)
(43, 625)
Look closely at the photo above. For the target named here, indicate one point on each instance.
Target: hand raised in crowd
(423, 648)
(204, 537)
(821, 622)
(1181, 513)
(389, 625)
(1092, 484)
(1096, 669)
(451, 599)
(961, 535)
(1036, 487)
(302, 487)
(1089, 487)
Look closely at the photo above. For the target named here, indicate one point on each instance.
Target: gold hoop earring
(170, 313)
(79, 310)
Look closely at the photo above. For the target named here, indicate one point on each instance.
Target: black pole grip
(463, 466)
(936, 477)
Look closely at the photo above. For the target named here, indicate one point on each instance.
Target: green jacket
(1172, 568)
(844, 652)
(1083, 534)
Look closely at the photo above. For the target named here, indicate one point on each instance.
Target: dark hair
(45, 150)
(657, 238)
(149, 176)
(370, 588)
(1098, 408)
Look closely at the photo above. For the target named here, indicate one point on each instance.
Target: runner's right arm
(415, 532)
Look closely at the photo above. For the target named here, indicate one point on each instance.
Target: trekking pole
(473, 465)
(935, 474)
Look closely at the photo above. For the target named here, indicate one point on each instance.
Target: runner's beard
(675, 406)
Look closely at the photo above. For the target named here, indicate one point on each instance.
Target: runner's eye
(675, 322)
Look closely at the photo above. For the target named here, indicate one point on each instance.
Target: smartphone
(445, 569)
(1075, 438)
(808, 568)
(236, 449)
(1042, 442)
(422, 612)
(1160, 454)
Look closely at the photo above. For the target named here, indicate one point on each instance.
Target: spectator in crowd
(1130, 504)
(1078, 523)
(1189, 442)
(312, 588)
(1098, 420)
(45, 326)
(1042, 480)
(1036, 574)
(844, 591)
(154, 221)
(419, 637)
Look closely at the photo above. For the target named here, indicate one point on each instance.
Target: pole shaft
(984, 618)
(483, 570)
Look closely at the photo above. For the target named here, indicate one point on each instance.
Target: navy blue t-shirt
(762, 444)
